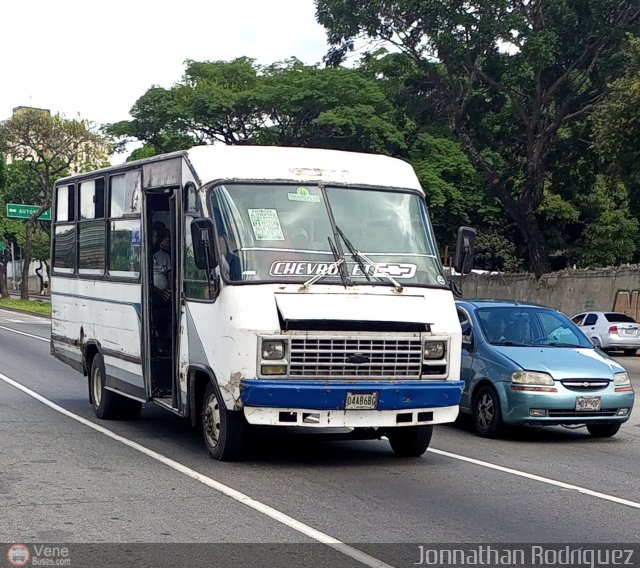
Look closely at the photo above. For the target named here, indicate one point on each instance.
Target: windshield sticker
(289, 268)
(441, 280)
(266, 224)
(302, 194)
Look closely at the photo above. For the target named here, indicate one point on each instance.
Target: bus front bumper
(322, 404)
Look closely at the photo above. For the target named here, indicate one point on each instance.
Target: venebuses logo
(18, 555)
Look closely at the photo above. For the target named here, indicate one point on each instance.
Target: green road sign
(26, 211)
(2, 245)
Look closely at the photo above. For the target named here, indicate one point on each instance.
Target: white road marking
(534, 477)
(511, 471)
(274, 514)
(24, 333)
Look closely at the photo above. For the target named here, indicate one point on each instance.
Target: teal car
(529, 364)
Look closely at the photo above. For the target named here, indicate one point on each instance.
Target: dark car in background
(530, 364)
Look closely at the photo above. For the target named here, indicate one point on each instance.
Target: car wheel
(630, 352)
(605, 430)
(487, 414)
(410, 441)
(223, 430)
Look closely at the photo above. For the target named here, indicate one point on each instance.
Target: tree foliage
(42, 148)
(285, 103)
(617, 126)
(510, 73)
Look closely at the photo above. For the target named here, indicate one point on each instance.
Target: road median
(32, 307)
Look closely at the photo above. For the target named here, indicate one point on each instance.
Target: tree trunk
(26, 261)
(4, 289)
(530, 230)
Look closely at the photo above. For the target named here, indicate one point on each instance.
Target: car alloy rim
(97, 386)
(486, 410)
(212, 420)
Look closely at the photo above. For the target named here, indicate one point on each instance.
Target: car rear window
(619, 318)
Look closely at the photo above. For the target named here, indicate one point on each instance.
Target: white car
(610, 330)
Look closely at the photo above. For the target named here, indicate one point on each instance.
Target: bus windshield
(286, 233)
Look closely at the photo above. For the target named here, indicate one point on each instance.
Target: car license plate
(588, 403)
(361, 401)
(630, 331)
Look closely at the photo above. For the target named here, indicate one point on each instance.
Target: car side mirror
(465, 248)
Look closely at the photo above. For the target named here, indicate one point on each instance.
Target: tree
(617, 126)
(510, 73)
(48, 147)
(4, 254)
(607, 209)
(286, 103)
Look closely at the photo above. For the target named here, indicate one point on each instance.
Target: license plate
(361, 401)
(588, 403)
(630, 331)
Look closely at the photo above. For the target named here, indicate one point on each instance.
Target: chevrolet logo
(358, 359)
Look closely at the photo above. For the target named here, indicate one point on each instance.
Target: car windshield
(619, 318)
(286, 233)
(529, 326)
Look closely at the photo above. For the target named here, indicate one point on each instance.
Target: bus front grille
(356, 357)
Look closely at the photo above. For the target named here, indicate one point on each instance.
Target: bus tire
(223, 430)
(105, 402)
(410, 441)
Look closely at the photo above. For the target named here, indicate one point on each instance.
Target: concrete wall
(570, 291)
(34, 280)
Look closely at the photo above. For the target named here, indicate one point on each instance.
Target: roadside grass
(34, 306)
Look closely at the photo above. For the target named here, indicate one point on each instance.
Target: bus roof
(300, 165)
(276, 163)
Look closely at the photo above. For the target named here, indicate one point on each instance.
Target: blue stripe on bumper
(326, 395)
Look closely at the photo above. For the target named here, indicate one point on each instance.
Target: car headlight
(621, 379)
(531, 378)
(434, 349)
(273, 349)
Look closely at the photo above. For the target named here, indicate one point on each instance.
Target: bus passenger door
(162, 295)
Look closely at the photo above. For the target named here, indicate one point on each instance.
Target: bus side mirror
(204, 253)
(465, 248)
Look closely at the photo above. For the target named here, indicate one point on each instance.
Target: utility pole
(13, 267)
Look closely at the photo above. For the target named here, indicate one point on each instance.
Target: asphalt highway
(151, 481)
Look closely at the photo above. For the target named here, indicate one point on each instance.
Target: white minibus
(248, 286)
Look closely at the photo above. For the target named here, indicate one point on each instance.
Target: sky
(93, 60)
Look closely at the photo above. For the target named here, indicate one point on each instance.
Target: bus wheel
(410, 441)
(105, 402)
(223, 429)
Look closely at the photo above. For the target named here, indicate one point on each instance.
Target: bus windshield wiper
(360, 257)
(338, 263)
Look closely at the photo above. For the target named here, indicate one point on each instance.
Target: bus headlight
(434, 349)
(273, 349)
